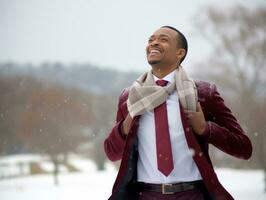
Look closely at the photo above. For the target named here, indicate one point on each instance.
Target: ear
(180, 53)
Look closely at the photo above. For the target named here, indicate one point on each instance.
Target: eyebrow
(161, 35)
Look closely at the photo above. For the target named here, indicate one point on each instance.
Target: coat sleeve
(114, 143)
(224, 131)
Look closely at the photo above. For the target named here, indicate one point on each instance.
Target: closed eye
(150, 40)
(164, 39)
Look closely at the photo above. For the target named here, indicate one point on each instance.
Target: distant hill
(83, 76)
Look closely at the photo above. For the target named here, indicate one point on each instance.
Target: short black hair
(181, 38)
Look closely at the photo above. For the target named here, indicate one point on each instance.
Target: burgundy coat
(222, 130)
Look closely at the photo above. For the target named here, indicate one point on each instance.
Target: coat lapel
(206, 170)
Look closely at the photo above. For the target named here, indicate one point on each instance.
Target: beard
(154, 62)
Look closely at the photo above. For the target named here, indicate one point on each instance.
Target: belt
(169, 188)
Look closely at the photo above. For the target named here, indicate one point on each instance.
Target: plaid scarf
(145, 95)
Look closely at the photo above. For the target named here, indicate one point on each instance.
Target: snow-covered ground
(94, 185)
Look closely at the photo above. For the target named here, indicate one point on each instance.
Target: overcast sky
(107, 33)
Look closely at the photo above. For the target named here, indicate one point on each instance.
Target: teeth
(154, 51)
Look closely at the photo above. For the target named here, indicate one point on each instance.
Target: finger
(190, 112)
(189, 115)
(199, 107)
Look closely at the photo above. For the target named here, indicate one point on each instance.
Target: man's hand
(197, 120)
(126, 125)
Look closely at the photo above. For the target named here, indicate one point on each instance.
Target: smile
(154, 51)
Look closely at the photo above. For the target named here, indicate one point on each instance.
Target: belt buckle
(164, 189)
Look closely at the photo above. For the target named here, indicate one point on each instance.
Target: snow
(97, 185)
(84, 165)
(80, 186)
(243, 184)
(49, 167)
(22, 158)
(16, 164)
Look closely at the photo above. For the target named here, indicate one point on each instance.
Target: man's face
(162, 47)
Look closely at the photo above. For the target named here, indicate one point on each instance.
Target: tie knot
(161, 82)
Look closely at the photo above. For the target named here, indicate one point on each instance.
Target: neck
(161, 72)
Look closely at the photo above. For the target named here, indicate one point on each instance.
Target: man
(165, 122)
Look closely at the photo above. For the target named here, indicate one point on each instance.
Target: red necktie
(163, 144)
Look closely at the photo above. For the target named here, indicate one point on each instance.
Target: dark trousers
(195, 194)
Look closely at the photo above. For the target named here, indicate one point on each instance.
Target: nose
(154, 43)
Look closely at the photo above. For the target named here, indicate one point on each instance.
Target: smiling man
(165, 122)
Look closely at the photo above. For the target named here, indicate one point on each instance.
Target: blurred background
(63, 64)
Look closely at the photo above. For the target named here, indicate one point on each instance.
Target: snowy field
(94, 185)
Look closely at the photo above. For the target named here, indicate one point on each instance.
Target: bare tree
(52, 123)
(238, 65)
(104, 107)
(41, 117)
(14, 91)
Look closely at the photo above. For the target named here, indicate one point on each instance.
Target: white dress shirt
(185, 168)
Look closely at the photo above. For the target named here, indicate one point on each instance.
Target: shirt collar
(169, 77)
